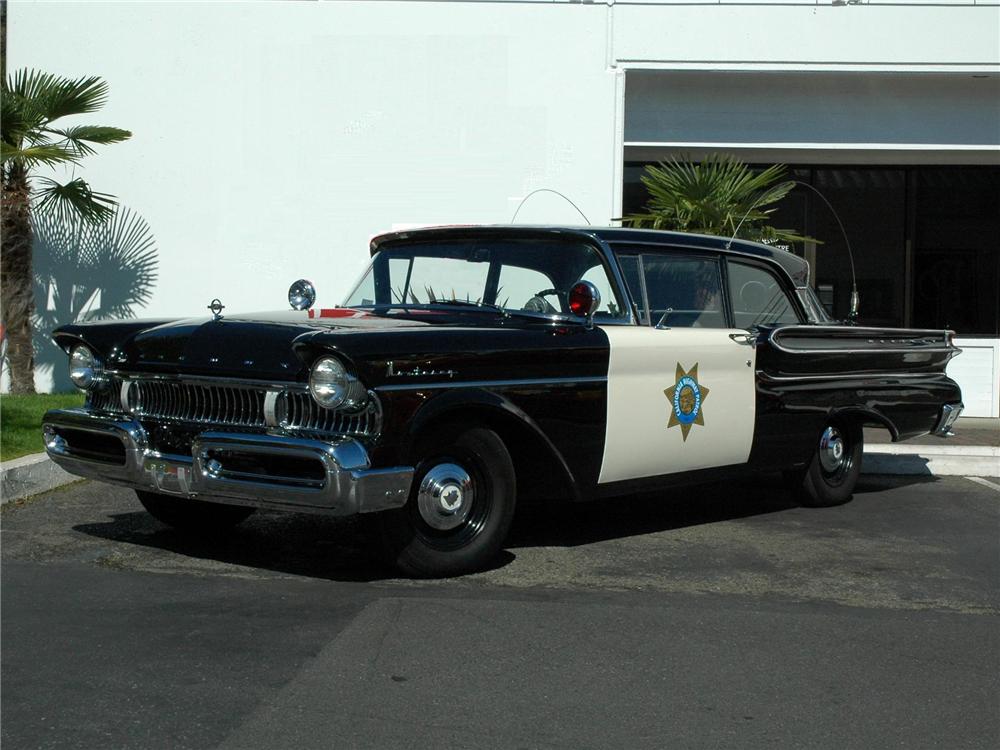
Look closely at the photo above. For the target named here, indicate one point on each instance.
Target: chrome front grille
(232, 405)
(106, 399)
(298, 412)
(223, 405)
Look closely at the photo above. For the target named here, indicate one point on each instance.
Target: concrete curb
(932, 460)
(30, 475)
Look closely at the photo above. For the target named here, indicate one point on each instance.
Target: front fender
(102, 336)
(495, 411)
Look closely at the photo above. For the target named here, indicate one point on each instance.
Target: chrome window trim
(604, 251)
(494, 383)
(815, 312)
(790, 295)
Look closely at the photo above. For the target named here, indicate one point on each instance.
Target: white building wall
(931, 36)
(272, 140)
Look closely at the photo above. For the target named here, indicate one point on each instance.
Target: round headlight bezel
(86, 371)
(333, 386)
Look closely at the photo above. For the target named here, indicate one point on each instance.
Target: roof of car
(793, 265)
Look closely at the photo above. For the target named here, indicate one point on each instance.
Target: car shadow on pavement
(341, 549)
(570, 525)
(576, 524)
(349, 550)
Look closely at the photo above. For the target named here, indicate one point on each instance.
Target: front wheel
(835, 465)
(192, 515)
(460, 508)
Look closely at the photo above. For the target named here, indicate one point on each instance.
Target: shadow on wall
(86, 272)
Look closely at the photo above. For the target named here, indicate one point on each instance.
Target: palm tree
(31, 103)
(720, 196)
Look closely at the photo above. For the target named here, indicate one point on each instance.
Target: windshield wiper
(470, 303)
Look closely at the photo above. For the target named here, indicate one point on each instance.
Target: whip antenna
(855, 297)
(548, 190)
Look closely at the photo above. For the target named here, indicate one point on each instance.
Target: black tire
(475, 533)
(833, 472)
(195, 516)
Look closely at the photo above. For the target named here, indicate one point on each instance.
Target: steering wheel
(753, 296)
(538, 303)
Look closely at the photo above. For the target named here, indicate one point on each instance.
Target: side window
(758, 299)
(608, 307)
(684, 291)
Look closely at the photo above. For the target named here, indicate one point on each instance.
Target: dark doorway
(925, 240)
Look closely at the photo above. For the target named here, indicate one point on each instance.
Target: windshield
(531, 277)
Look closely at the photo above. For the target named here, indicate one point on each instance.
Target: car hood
(251, 345)
(280, 346)
(264, 345)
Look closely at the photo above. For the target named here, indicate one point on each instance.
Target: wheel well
(867, 418)
(541, 475)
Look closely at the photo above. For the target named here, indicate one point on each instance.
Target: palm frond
(56, 96)
(719, 195)
(41, 153)
(79, 137)
(16, 119)
(77, 197)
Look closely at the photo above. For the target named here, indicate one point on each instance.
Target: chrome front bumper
(270, 471)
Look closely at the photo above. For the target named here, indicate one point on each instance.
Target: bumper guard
(949, 415)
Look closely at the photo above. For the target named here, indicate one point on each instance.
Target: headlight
(333, 387)
(84, 369)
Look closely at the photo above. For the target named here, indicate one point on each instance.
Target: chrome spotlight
(301, 295)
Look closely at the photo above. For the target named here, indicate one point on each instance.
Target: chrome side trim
(344, 482)
(848, 376)
(877, 335)
(493, 383)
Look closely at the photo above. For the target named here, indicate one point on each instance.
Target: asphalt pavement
(718, 616)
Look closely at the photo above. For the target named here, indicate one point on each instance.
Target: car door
(681, 383)
(759, 300)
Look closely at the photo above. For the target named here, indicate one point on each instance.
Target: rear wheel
(192, 515)
(835, 465)
(460, 508)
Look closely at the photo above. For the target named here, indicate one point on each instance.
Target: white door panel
(660, 423)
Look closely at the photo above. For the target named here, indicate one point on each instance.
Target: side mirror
(584, 299)
(301, 295)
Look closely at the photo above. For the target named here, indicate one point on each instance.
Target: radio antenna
(855, 297)
(548, 190)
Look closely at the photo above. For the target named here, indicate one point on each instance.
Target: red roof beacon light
(584, 299)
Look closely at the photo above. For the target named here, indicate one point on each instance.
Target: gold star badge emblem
(686, 396)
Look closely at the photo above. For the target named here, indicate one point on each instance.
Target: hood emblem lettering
(416, 372)
(216, 307)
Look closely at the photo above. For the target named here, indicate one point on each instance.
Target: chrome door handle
(747, 339)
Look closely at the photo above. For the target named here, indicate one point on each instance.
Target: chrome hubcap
(445, 496)
(831, 450)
